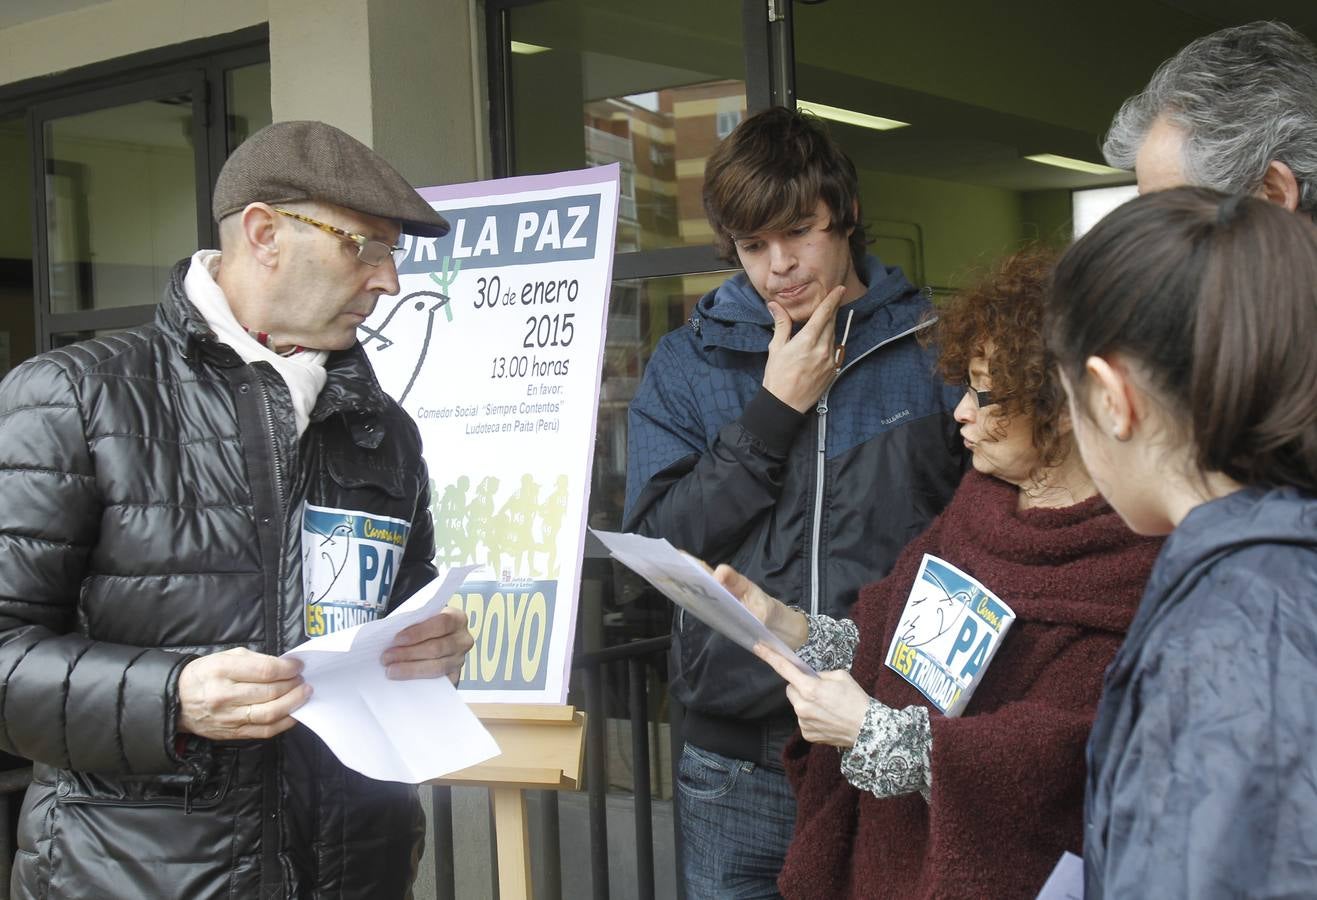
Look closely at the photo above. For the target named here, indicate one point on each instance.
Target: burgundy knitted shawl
(1008, 775)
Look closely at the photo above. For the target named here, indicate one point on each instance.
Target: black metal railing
(638, 656)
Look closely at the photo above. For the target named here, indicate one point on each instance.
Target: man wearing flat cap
(164, 491)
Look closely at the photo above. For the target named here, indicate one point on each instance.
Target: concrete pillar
(399, 75)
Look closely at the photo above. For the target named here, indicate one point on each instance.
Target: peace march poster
(494, 346)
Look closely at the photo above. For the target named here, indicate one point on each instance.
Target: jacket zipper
(268, 413)
(816, 538)
(270, 803)
(272, 610)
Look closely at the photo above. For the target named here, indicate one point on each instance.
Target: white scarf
(303, 371)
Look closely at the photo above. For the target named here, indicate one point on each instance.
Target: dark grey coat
(150, 493)
(1203, 759)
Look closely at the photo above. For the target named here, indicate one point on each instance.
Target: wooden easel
(543, 748)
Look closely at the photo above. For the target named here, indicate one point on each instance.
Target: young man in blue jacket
(754, 440)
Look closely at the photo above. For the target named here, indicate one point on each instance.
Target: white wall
(108, 30)
(428, 115)
(320, 63)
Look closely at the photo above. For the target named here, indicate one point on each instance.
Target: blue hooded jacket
(1203, 759)
(809, 505)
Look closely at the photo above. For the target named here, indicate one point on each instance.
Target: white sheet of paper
(1066, 881)
(409, 731)
(685, 582)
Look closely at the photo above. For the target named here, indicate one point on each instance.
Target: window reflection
(942, 132)
(17, 306)
(121, 202)
(617, 606)
(626, 83)
(248, 93)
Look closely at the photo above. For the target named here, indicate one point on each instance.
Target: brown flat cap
(290, 161)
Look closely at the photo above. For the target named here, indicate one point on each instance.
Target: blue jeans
(736, 822)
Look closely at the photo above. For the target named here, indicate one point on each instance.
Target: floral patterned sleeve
(829, 643)
(891, 755)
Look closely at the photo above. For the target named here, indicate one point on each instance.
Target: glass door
(123, 188)
(17, 328)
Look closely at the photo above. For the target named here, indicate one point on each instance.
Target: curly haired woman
(894, 798)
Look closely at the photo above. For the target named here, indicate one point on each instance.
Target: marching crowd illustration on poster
(494, 346)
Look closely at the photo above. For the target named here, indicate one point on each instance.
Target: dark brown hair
(771, 172)
(1214, 297)
(1005, 308)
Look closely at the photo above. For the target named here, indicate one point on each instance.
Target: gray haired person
(1235, 110)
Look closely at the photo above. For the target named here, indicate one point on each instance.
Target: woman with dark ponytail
(1183, 325)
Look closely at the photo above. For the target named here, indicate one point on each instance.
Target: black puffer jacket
(151, 485)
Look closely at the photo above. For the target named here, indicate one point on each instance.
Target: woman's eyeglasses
(981, 399)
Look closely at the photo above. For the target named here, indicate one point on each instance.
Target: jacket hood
(734, 316)
(1227, 524)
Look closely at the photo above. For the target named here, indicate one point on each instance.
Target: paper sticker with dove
(349, 562)
(947, 634)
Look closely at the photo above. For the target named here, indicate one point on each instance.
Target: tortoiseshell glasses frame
(372, 253)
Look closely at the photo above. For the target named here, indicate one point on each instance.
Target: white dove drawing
(333, 550)
(405, 330)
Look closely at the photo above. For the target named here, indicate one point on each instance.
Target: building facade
(975, 127)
